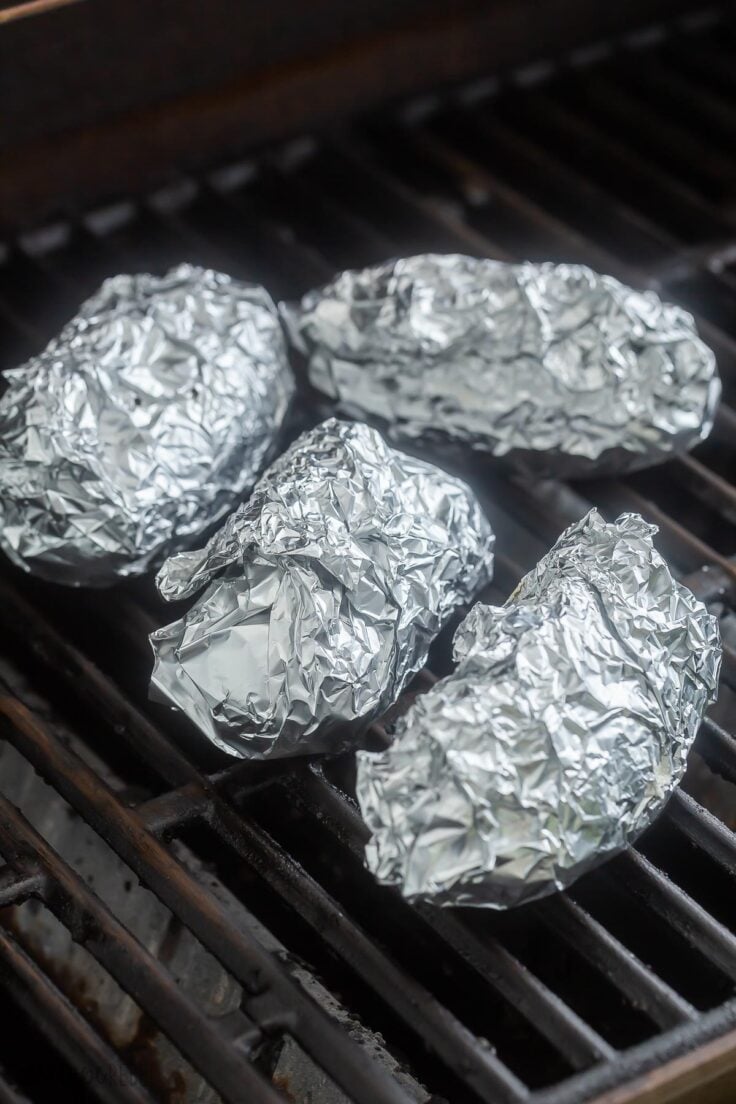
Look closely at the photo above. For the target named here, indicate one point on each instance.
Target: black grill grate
(623, 159)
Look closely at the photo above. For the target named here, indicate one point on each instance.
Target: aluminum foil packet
(141, 424)
(325, 592)
(559, 736)
(556, 369)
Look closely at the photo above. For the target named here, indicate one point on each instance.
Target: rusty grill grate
(621, 157)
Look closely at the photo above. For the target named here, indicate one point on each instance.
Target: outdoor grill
(178, 927)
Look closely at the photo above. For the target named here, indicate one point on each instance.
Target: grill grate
(623, 159)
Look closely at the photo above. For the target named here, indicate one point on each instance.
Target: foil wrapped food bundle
(559, 736)
(552, 367)
(141, 424)
(325, 591)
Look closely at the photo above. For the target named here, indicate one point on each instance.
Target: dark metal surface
(559, 1000)
(178, 83)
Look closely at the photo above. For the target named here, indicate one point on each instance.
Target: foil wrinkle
(143, 423)
(559, 736)
(552, 367)
(324, 592)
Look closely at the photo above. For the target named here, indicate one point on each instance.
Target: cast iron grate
(622, 158)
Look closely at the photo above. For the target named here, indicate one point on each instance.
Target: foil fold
(560, 734)
(556, 369)
(324, 592)
(141, 424)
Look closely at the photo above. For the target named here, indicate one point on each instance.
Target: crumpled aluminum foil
(326, 590)
(553, 367)
(560, 735)
(141, 424)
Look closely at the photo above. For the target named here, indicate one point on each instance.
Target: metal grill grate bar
(607, 158)
(693, 551)
(16, 888)
(718, 748)
(475, 1065)
(58, 1019)
(680, 911)
(705, 168)
(135, 970)
(584, 1087)
(668, 88)
(9, 1095)
(439, 1028)
(441, 183)
(254, 968)
(703, 829)
(645, 990)
(589, 937)
(550, 1015)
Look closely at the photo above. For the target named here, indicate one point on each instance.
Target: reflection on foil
(143, 423)
(325, 592)
(553, 367)
(560, 735)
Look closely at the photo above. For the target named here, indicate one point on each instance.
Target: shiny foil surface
(143, 423)
(559, 736)
(553, 367)
(325, 592)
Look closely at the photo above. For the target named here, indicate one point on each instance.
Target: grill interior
(261, 923)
